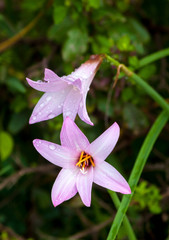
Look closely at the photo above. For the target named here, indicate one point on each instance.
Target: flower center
(84, 162)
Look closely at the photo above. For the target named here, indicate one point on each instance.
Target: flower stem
(137, 170)
(155, 95)
(129, 230)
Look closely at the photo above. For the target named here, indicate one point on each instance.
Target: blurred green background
(61, 36)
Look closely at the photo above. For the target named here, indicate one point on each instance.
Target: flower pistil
(84, 162)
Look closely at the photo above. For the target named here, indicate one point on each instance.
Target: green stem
(155, 95)
(129, 230)
(137, 170)
(153, 57)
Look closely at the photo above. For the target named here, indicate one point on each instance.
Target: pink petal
(104, 144)
(108, 177)
(49, 106)
(50, 76)
(64, 186)
(71, 104)
(47, 86)
(72, 137)
(82, 112)
(56, 154)
(84, 186)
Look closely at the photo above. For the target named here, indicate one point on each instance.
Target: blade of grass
(153, 57)
(129, 230)
(137, 170)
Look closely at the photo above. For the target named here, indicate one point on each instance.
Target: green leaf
(17, 122)
(59, 14)
(15, 85)
(76, 44)
(94, 3)
(6, 144)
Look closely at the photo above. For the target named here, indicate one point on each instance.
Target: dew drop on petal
(81, 104)
(48, 98)
(41, 105)
(68, 113)
(52, 147)
(51, 115)
(39, 81)
(34, 118)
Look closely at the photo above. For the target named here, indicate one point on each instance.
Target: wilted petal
(47, 86)
(64, 186)
(87, 70)
(104, 144)
(72, 137)
(56, 154)
(71, 104)
(84, 186)
(49, 106)
(108, 177)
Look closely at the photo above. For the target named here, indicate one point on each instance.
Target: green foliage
(147, 196)
(6, 145)
(59, 14)
(75, 45)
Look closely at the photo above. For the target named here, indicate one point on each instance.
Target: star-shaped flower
(82, 163)
(65, 94)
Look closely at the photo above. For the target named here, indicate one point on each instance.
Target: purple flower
(82, 163)
(65, 94)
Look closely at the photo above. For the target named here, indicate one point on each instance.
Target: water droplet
(41, 105)
(34, 118)
(51, 115)
(52, 147)
(48, 98)
(39, 81)
(40, 141)
(81, 104)
(39, 113)
(68, 113)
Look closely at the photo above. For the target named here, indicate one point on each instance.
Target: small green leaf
(15, 85)
(6, 144)
(59, 14)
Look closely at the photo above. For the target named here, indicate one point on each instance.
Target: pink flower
(82, 163)
(65, 94)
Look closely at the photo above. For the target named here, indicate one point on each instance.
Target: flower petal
(84, 186)
(49, 106)
(87, 70)
(64, 186)
(104, 144)
(47, 86)
(108, 177)
(82, 112)
(72, 137)
(51, 76)
(56, 154)
(71, 104)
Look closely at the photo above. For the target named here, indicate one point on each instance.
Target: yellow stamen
(92, 162)
(85, 161)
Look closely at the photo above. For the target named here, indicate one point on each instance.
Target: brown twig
(16, 176)
(91, 230)
(10, 232)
